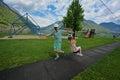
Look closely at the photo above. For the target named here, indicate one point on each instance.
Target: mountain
(86, 24)
(49, 29)
(7, 14)
(11, 17)
(115, 28)
(99, 30)
(92, 25)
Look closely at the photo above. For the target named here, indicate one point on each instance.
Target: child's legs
(80, 51)
(79, 48)
(61, 51)
(57, 48)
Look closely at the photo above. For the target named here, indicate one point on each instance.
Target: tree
(74, 16)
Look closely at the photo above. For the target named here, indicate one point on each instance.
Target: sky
(46, 12)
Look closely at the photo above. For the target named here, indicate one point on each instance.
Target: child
(72, 43)
(57, 33)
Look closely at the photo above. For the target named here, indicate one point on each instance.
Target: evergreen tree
(74, 16)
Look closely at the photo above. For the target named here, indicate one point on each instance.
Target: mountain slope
(49, 29)
(9, 15)
(92, 25)
(86, 24)
(112, 26)
(99, 30)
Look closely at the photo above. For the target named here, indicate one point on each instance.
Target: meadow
(17, 52)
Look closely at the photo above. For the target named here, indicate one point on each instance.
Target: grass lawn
(3, 34)
(19, 52)
(108, 68)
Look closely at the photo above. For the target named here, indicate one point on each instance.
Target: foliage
(74, 16)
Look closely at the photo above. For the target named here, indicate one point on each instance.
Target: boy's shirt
(58, 35)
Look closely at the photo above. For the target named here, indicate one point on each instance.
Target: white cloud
(94, 9)
(42, 22)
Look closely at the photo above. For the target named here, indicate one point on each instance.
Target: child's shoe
(56, 58)
(63, 54)
(79, 54)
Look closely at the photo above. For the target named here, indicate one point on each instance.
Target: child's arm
(67, 31)
(48, 35)
(45, 36)
(74, 41)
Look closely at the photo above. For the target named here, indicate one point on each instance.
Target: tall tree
(74, 16)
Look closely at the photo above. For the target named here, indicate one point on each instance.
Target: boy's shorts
(57, 46)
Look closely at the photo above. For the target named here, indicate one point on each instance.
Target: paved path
(64, 69)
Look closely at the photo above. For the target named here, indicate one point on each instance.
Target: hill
(86, 24)
(9, 16)
(92, 25)
(112, 26)
(49, 29)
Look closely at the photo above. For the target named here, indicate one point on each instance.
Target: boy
(57, 33)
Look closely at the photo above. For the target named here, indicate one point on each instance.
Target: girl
(74, 48)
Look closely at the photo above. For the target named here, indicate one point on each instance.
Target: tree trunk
(74, 33)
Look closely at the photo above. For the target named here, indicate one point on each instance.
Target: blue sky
(46, 12)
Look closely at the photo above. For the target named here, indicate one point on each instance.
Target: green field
(108, 68)
(3, 35)
(19, 52)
